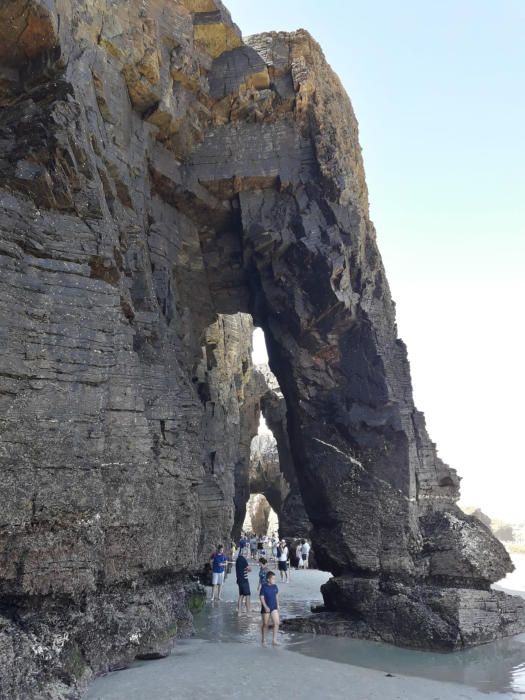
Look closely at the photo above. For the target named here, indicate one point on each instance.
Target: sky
(439, 92)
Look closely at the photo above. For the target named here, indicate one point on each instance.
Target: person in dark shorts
(282, 556)
(242, 569)
(269, 598)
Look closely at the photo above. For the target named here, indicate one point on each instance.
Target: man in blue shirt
(219, 562)
(270, 607)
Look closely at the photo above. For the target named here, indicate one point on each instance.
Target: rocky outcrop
(424, 617)
(265, 472)
(126, 419)
(511, 534)
(227, 387)
(260, 519)
(293, 519)
(158, 174)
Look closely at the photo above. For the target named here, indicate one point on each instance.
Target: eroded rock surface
(279, 480)
(157, 174)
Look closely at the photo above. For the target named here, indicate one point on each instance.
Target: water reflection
(496, 667)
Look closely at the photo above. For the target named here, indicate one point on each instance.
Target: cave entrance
(261, 519)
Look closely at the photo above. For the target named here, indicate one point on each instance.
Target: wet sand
(226, 660)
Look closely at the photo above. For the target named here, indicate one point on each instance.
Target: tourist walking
(269, 597)
(219, 563)
(282, 556)
(305, 553)
(242, 569)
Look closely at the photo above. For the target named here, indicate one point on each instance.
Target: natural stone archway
(381, 502)
(157, 174)
(271, 469)
(266, 477)
(293, 520)
(261, 518)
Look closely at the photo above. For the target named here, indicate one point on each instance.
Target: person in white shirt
(282, 556)
(305, 553)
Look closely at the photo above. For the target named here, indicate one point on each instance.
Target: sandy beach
(226, 660)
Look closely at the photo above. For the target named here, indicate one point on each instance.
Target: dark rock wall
(229, 389)
(125, 422)
(156, 175)
(265, 471)
(293, 519)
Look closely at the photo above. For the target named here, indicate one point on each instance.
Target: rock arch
(158, 173)
(381, 502)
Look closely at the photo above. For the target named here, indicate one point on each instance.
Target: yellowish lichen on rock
(216, 38)
(200, 5)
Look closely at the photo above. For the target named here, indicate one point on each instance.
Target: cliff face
(158, 174)
(273, 470)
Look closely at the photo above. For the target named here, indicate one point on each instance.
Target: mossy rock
(171, 631)
(74, 663)
(197, 602)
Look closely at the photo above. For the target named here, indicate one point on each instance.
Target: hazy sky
(439, 92)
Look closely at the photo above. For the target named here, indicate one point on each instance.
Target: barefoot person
(219, 562)
(269, 597)
(242, 569)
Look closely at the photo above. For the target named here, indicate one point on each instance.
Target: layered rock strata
(273, 472)
(156, 174)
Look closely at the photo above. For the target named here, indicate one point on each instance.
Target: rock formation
(157, 175)
(265, 471)
(279, 480)
(260, 519)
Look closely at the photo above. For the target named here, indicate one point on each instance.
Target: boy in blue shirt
(269, 596)
(219, 562)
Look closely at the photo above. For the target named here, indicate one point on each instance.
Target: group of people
(256, 546)
(302, 554)
(250, 545)
(267, 590)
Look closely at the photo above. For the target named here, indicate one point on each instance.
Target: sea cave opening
(274, 502)
(261, 519)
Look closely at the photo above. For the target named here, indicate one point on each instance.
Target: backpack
(278, 552)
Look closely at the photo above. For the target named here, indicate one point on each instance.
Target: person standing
(299, 555)
(253, 546)
(242, 569)
(242, 544)
(269, 597)
(305, 553)
(219, 563)
(283, 562)
(263, 573)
